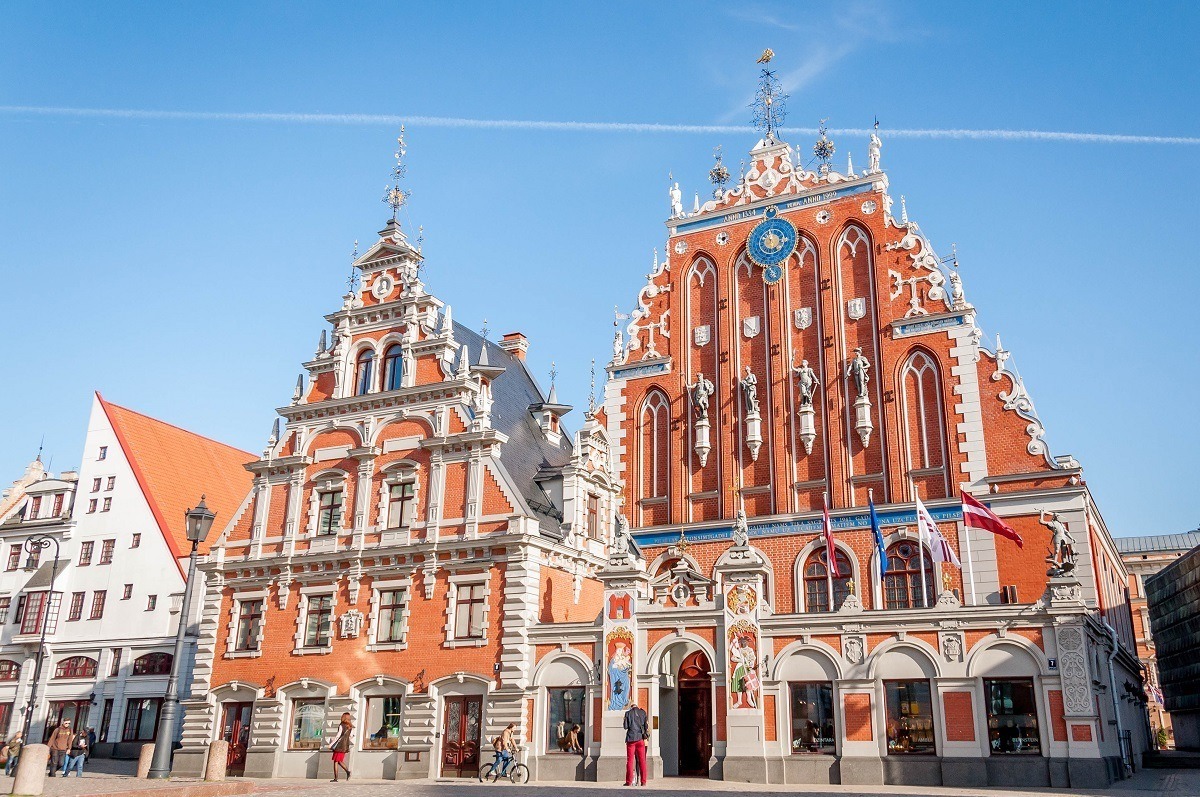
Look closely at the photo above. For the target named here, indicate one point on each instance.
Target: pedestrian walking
(14, 752)
(91, 742)
(637, 731)
(77, 754)
(341, 746)
(60, 746)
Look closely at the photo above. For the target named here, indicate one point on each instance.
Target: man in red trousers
(637, 731)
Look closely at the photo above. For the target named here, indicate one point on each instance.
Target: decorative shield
(702, 335)
(751, 326)
(856, 308)
(803, 318)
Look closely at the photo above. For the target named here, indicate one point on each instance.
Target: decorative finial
(420, 238)
(903, 211)
(42, 442)
(484, 331)
(769, 100)
(553, 373)
(954, 255)
(395, 197)
(718, 175)
(592, 391)
(824, 148)
(353, 281)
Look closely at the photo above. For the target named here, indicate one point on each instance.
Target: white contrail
(592, 127)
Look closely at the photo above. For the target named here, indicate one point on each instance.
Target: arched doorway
(694, 726)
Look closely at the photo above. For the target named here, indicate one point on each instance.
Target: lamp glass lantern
(199, 522)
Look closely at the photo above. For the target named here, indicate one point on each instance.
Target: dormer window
(329, 515)
(393, 367)
(363, 369)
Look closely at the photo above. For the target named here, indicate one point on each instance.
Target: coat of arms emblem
(702, 335)
(856, 308)
(803, 318)
(751, 326)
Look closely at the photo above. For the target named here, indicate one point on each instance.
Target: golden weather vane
(766, 56)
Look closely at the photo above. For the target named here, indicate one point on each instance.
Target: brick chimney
(516, 344)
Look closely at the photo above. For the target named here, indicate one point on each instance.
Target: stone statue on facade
(873, 153)
(957, 300)
(807, 378)
(676, 202)
(858, 368)
(741, 530)
(701, 391)
(624, 547)
(1062, 545)
(749, 385)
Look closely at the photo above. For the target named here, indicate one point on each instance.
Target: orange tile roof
(175, 466)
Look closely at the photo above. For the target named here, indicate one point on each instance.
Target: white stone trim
(299, 648)
(398, 585)
(455, 581)
(235, 608)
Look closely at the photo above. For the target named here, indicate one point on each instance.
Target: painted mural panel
(620, 632)
(742, 644)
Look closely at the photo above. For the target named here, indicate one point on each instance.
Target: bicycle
(490, 772)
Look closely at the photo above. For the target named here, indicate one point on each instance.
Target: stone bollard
(218, 758)
(31, 769)
(145, 760)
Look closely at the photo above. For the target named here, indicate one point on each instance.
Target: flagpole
(970, 562)
(921, 551)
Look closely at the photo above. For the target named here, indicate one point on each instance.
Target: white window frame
(326, 482)
(373, 643)
(235, 611)
(455, 581)
(398, 473)
(307, 593)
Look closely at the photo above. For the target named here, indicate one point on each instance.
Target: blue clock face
(771, 241)
(772, 274)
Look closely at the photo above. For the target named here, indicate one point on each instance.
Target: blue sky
(181, 266)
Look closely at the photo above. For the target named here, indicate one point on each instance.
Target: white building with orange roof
(110, 623)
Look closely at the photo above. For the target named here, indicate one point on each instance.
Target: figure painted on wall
(620, 606)
(743, 663)
(619, 646)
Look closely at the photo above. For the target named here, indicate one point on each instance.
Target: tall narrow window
(96, 485)
(58, 504)
(391, 616)
(363, 368)
(902, 584)
(103, 453)
(593, 516)
(76, 610)
(98, 604)
(106, 551)
(812, 717)
(85, 553)
(329, 518)
(316, 625)
(468, 611)
(400, 500)
(136, 540)
(141, 719)
(35, 507)
(909, 717)
(393, 367)
(115, 669)
(308, 725)
(107, 505)
(924, 423)
(5, 602)
(818, 583)
(14, 557)
(655, 456)
(248, 624)
(112, 481)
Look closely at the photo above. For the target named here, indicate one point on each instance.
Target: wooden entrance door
(695, 715)
(462, 720)
(235, 729)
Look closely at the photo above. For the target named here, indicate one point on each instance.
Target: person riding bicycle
(505, 746)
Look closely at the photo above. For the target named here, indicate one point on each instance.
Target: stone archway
(694, 722)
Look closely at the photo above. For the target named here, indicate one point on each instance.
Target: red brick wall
(960, 720)
(857, 712)
(1081, 733)
(1058, 725)
(769, 730)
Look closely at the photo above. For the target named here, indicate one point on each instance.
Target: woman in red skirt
(341, 746)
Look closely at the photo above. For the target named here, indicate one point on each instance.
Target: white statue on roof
(873, 153)
(676, 202)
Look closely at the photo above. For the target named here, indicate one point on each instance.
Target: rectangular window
(14, 557)
(1012, 716)
(22, 600)
(468, 611)
(38, 609)
(105, 719)
(136, 541)
(316, 625)
(107, 505)
(151, 602)
(85, 553)
(308, 725)
(35, 507)
(98, 604)
(58, 505)
(103, 452)
(593, 517)
(76, 610)
(391, 616)
(5, 602)
(106, 551)
(115, 670)
(567, 726)
(812, 717)
(112, 482)
(96, 485)
(329, 519)
(91, 505)
(400, 498)
(249, 623)
(141, 719)
(909, 717)
(128, 593)
(383, 723)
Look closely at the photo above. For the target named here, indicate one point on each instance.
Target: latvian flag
(830, 550)
(978, 516)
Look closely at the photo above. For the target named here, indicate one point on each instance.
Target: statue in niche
(858, 368)
(676, 201)
(808, 382)
(701, 391)
(741, 530)
(1062, 545)
(873, 153)
(749, 385)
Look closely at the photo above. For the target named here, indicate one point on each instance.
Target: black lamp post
(198, 523)
(35, 545)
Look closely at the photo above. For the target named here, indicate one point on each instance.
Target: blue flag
(878, 539)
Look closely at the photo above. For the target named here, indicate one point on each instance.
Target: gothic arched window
(902, 584)
(363, 368)
(817, 583)
(923, 421)
(393, 367)
(655, 448)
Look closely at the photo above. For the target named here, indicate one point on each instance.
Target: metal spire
(824, 148)
(394, 196)
(718, 175)
(484, 331)
(769, 100)
(592, 391)
(353, 281)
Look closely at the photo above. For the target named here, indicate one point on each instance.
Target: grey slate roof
(1158, 543)
(527, 451)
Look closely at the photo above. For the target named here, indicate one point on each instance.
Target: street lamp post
(198, 522)
(39, 543)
